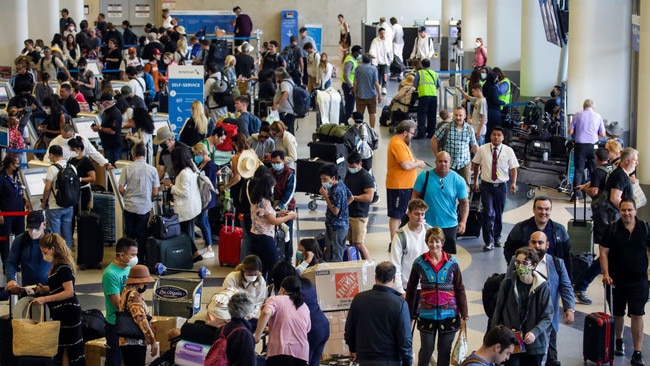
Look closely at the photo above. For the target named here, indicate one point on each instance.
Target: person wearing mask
(134, 351)
(286, 142)
(247, 276)
(362, 186)
(491, 95)
(59, 219)
(59, 294)
(113, 282)
(167, 141)
(55, 118)
(282, 101)
(381, 50)
(350, 63)
(337, 196)
(68, 133)
(308, 254)
(86, 173)
(110, 130)
(86, 80)
(480, 53)
(25, 256)
(218, 137)
(12, 198)
(207, 166)
(283, 197)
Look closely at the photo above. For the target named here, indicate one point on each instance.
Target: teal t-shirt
(441, 194)
(113, 281)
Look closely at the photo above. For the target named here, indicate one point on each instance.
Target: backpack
(300, 100)
(217, 354)
(220, 92)
(206, 189)
(289, 54)
(67, 186)
(442, 145)
(601, 202)
(490, 292)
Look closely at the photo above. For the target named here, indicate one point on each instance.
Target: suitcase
(474, 218)
(598, 336)
(351, 253)
(190, 353)
(307, 178)
(328, 151)
(230, 238)
(557, 166)
(104, 206)
(90, 238)
(173, 253)
(538, 177)
(581, 231)
(6, 340)
(558, 147)
(384, 116)
(538, 148)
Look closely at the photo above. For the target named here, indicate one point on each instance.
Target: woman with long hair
(442, 303)
(59, 295)
(229, 74)
(134, 351)
(326, 68)
(197, 127)
(55, 119)
(71, 51)
(310, 253)
(86, 81)
(491, 95)
(42, 89)
(143, 132)
(247, 276)
(264, 219)
(185, 189)
(286, 142)
(207, 166)
(287, 317)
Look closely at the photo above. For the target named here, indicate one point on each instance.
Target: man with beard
(559, 283)
(401, 173)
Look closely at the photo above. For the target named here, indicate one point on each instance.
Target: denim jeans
(59, 220)
(135, 227)
(113, 154)
(204, 225)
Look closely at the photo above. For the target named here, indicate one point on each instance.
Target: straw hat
(245, 47)
(139, 274)
(409, 80)
(248, 163)
(181, 30)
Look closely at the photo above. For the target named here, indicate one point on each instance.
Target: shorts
(371, 103)
(398, 202)
(358, 230)
(634, 295)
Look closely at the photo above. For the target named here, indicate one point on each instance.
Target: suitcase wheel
(531, 193)
(312, 205)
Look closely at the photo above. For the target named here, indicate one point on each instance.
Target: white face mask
(132, 262)
(48, 110)
(250, 278)
(36, 233)
(478, 44)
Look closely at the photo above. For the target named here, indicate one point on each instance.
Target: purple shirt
(586, 125)
(243, 26)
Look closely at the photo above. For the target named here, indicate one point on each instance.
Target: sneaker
(498, 244)
(383, 91)
(208, 254)
(488, 247)
(198, 258)
(619, 349)
(581, 298)
(637, 359)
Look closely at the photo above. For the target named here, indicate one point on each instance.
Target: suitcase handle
(584, 209)
(230, 216)
(611, 298)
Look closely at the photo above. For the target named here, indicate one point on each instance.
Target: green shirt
(113, 281)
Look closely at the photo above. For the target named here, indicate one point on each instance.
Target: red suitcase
(229, 242)
(598, 336)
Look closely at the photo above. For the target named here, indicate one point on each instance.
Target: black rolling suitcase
(307, 178)
(104, 206)
(173, 253)
(598, 337)
(328, 151)
(474, 218)
(90, 241)
(6, 339)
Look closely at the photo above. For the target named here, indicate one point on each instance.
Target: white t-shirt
(403, 259)
(50, 176)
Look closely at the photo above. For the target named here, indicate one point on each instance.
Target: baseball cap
(126, 90)
(157, 51)
(422, 29)
(105, 96)
(35, 219)
(133, 50)
(357, 117)
(356, 48)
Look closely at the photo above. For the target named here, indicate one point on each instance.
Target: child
(310, 252)
(479, 111)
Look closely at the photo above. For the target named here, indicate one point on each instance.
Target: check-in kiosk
(117, 86)
(94, 66)
(161, 120)
(6, 93)
(54, 85)
(83, 125)
(114, 178)
(34, 181)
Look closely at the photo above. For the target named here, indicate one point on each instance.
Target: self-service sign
(185, 86)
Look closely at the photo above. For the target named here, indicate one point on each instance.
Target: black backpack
(289, 55)
(490, 292)
(67, 186)
(221, 92)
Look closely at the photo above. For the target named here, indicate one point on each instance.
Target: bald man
(559, 283)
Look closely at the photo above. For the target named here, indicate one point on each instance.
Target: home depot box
(335, 346)
(338, 283)
(96, 353)
(161, 325)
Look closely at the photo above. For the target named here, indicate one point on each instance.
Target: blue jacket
(28, 260)
(558, 283)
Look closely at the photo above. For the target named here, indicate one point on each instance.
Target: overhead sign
(185, 86)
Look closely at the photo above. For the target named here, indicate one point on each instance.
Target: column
(474, 16)
(539, 58)
(599, 61)
(76, 9)
(504, 33)
(43, 19)
(450, 9)
(14, 18)
(643, 92)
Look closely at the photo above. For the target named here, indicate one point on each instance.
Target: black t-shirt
(357, 183)
(628, 262)
(71, 106)
(272, 62)
(11, 193)
(53, 123)
(598, 177)
(267, 90)
(244, 65)
(83, 166)
(112, 118)
(114, 54)
(620, 180)
(165, 159)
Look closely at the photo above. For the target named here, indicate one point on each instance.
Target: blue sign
(315, 31)
(185, 87)
(4, 136)
(207, 20)
(288, 27)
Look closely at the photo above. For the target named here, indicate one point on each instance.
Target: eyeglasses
(523, 263)
(262, 137)
(442, 184)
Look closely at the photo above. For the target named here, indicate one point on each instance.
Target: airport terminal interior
(475, 263)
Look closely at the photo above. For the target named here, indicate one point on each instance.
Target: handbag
(639, 196)
(125, 326)
(461, 347)
(35, 338)
(165, 226)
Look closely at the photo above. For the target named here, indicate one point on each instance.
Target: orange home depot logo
(347, 285)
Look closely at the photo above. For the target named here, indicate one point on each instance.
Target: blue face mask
(353, 170)
(277, 167)
(327, 185)
(198, 159)
(483, 76)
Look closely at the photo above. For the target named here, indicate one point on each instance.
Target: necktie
(494, 165)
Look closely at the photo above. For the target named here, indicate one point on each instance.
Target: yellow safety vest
(349, 58)
(427, 83)
(507, 97)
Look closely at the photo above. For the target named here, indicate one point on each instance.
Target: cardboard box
(95, 352)
(338, 283)
(335, 346)
(161, 325)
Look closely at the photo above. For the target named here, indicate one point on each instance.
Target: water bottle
(545, 156)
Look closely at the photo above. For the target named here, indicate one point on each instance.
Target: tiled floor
(476, 264)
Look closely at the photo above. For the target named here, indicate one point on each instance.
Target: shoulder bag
(35, 338)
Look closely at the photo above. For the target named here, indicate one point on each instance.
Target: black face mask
(553, 93)
(142, 290)
(164, 147)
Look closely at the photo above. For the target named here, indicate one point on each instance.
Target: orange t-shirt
(152, 68)
(396, 176)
